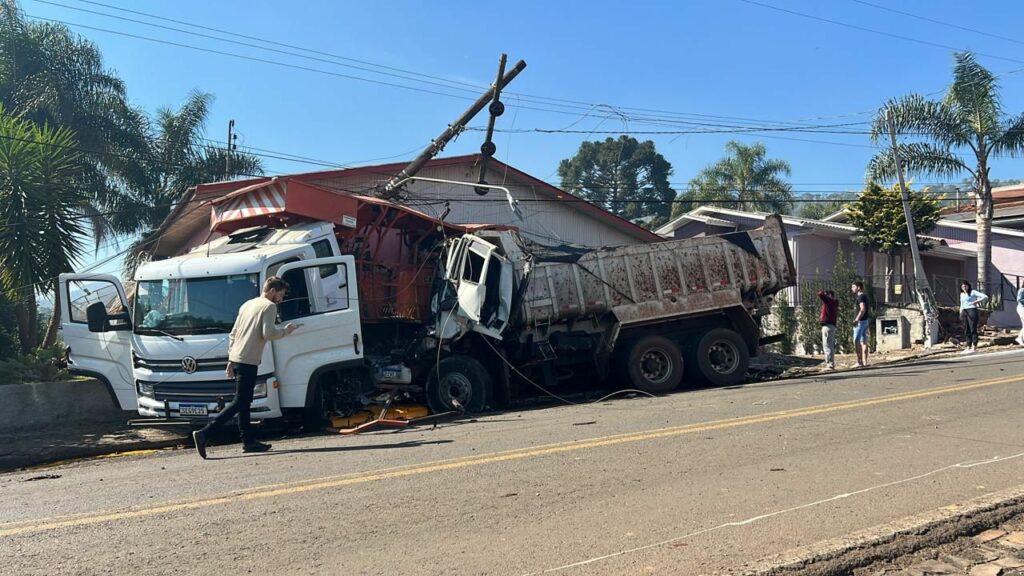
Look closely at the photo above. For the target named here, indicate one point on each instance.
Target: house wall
(1007, 260)
(546, 221)
(696, 230)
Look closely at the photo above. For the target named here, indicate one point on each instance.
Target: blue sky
(740, 63)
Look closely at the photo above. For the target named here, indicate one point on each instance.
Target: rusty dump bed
(651, 282)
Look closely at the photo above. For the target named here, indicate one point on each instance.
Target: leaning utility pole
(924, 290)
(392, 190)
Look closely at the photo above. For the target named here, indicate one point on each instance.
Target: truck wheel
(720, 358)
(458, 381)
(654, 365)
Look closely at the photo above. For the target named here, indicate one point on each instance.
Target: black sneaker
(199, 437)
(256, 447)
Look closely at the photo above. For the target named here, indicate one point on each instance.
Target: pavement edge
(885, 541)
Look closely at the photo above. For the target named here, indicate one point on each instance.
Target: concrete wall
(45, 404)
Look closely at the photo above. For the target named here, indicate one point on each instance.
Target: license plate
(193, 409)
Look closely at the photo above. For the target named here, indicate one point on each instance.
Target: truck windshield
(191, 305)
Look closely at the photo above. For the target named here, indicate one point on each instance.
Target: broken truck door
(483, 280)
(105, 355)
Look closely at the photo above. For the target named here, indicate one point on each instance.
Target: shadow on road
(326, 449)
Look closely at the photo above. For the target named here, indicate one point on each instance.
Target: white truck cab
(163, 352)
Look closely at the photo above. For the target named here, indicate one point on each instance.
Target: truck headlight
(146, 389)
(260, 391)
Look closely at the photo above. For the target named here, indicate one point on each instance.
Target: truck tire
(458, 378)
(654, 364)
(314, 415)
(720, 358)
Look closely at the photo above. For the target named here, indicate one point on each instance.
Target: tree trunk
(25, 315)
(51, 329)
(983, 217)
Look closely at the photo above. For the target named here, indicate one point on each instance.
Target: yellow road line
(298, 487)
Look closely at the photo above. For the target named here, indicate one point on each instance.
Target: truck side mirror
(96, 316)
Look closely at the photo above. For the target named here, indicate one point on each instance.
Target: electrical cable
(874, 31)
(552, 394)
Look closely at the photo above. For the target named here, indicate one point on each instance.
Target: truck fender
(745, 326)
(314, 379)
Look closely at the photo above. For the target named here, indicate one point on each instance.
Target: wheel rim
(724, 357)
(656, 365)
(456, 387)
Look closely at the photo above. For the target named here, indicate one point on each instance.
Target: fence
(900, 290)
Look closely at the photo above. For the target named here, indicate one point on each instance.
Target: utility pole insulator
(392, 189)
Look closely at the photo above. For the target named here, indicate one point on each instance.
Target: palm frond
(1011, 142)
(918, 158)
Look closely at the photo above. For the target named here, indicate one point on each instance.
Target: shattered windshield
(192, 305)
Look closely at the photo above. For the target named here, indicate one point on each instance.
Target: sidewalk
(997, 551)
(32, 448)
(771, 366)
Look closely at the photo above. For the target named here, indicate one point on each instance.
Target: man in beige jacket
(255, 325)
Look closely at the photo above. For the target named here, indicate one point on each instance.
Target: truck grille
(202, 365)
(193, 391)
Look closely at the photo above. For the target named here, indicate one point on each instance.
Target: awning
(260, 203)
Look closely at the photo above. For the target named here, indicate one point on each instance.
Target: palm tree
(178, 157)
(40, 206)
(745, 179)
(50, 75)
(969, 120)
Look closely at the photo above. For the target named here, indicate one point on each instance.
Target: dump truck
(392, 301)
(647, 316)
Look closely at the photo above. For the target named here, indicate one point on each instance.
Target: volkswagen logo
(188, 364)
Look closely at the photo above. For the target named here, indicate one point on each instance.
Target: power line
(939, 22)
(448, 83)
(874, 31)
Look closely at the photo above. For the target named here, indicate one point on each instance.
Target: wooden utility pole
(231, 147)
(924, 290)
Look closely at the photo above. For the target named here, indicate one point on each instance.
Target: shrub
(786, 321)
(809, 316)
(41, 365)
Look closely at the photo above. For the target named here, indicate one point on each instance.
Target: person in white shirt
(1020, 313)
(969, 300)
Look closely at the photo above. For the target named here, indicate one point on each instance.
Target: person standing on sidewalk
(254, 327)
(1020, 314)
(969, 300)
(829, 316)
(861, 323)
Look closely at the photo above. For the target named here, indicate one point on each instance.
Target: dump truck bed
(650, 282)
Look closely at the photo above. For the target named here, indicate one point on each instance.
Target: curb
(17, 463)
(858, 549)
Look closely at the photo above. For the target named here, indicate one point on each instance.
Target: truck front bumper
(167, 402)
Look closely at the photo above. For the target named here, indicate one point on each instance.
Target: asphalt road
(694, 483)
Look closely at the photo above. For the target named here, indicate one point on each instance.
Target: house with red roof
(546, 213)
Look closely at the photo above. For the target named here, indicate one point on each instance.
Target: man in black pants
(254, 327)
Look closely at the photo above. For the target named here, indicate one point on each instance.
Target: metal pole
(227, 157)
(924, 291)
(391, 189)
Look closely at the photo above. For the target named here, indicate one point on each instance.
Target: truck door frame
(115, 373)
